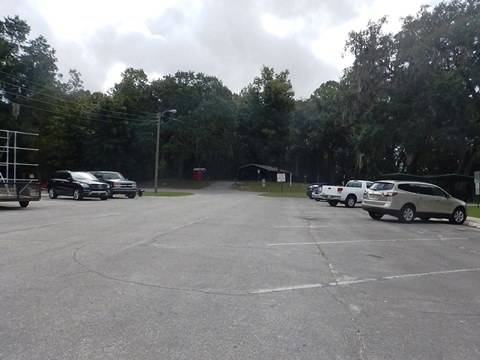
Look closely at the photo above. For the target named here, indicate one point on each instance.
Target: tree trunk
(180, 169)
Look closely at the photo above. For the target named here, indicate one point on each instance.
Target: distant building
(255, 172)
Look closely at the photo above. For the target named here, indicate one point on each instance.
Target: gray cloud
(225, 39)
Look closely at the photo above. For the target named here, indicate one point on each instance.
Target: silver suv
(407, 200)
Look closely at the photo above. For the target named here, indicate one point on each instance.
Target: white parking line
(364, 241)
(359, 281)
(301, 226)
(287, 288)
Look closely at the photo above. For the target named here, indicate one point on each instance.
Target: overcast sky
(229, 39)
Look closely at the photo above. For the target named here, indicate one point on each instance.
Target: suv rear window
(407, 187)
(381, 186)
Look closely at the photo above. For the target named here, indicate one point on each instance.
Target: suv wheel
(350, 201)
(374, 215)
(407, 214)
(77, 194)
(52, 194)
(458, 216)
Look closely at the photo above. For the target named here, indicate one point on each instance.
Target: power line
(69, 109)
(146, 122)
(51, 96)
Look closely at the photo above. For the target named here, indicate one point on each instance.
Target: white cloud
(281, 27)
(229, 39)
(113, 76)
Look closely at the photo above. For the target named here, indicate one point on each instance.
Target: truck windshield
(113, 175)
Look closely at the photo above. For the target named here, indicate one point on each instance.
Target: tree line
(410, 103)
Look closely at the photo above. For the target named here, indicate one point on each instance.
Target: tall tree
(265, 111)
(368, 84)
(437, 85)
(201, 132)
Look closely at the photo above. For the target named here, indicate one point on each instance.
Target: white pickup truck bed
(350, 194)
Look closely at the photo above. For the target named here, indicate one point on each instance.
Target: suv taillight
(389, 193)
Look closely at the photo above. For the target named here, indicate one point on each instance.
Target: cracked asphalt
(225, 274)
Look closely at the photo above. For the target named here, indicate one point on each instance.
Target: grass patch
(166, 193)
(178, 184)
(272, 189)
(473, 211)
(284, 195)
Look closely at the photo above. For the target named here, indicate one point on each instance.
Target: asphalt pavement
(227, 274)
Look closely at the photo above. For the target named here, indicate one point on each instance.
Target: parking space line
(301, 226)
(287, 288)
(341, 283)
(365, 241)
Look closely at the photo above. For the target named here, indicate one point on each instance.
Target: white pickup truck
(350, 194)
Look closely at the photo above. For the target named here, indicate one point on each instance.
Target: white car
(408, 200)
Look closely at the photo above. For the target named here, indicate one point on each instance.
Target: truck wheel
(332, 202)
(24, 204)
(458, 216)
(350, 201)
(52, 194)
(103, 197)
(407, 214)
(374, 215)
(132, 195)
(77, 194)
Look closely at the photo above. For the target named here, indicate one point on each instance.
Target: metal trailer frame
(17, 181)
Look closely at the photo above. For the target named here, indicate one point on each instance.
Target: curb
(473, 222)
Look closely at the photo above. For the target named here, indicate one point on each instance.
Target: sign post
(476, 175)
(281, 178)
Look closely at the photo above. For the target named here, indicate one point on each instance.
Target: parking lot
(232, 275)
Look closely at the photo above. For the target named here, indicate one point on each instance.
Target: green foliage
(297, 190)
(265, 109)
(167, 193)
(473, 211)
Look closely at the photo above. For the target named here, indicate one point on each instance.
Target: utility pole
(157, 147)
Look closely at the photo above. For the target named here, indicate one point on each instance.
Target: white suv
(407, 200)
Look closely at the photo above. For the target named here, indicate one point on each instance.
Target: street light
(157, 149)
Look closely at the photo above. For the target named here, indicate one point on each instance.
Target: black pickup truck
(118, 183)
